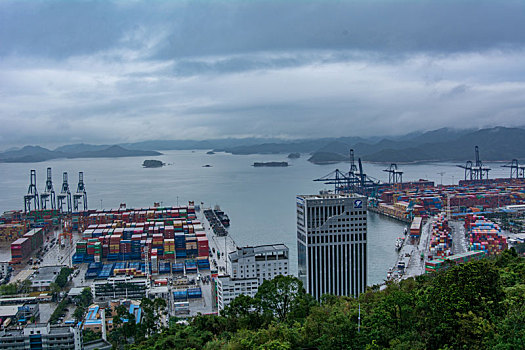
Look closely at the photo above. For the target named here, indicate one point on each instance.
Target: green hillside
(478, 305)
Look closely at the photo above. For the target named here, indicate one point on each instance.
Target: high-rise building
(248, 267)
(331, 243)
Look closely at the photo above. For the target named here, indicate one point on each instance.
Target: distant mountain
(496, 144)
(114, 152)
(31, 154)
(217, 144)
(81, 147)
(444, 144)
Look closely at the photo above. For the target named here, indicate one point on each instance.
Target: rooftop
(261, 249)
(8, 310)
(329, 196)
(47, 273)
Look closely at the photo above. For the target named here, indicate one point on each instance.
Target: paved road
(459, 241)
(416, 265)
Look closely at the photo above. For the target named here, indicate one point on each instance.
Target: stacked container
(203, 247)
(440, 238)
(11, 232)
(485, 235)
(20, 249)
(154, 261)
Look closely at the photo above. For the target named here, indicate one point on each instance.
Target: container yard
(162, 237)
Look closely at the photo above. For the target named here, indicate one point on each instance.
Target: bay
(259, 201)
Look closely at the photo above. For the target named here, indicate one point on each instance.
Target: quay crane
(32, 194)
(353, 181)
(394, 175)
(475, 171)
(49, 193)
(64, 195)
(516, 170)
(80, 194)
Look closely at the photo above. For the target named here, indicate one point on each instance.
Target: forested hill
(478, 305)
(496, 144)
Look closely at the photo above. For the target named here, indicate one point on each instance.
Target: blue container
(178, 268)
(194, 293)
(180, 295)
(112, 257)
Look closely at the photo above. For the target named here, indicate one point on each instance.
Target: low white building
(121, 287)
(44, 276)
(248, 267)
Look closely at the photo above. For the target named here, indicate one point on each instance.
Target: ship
(399, 243)
(223, 218)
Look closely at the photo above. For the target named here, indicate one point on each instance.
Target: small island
(270, 164)
(294, 155)
(151, 163)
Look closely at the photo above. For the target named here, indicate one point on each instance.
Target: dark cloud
(199, 28)
(100, 71)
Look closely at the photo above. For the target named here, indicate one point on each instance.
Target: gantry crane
(32, 194)
(49, 193)
(80, 194)
(394, 175)
(475, 171)
(64, 195)
(516, 170)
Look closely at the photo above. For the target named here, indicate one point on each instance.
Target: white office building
(248, 267)
(331, 244)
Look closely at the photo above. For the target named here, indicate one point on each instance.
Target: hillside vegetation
(478, 305)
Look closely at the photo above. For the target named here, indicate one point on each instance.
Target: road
(459, 240)
(411, 253)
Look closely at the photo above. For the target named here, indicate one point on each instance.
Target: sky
(126, 71)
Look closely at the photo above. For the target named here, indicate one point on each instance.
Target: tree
(25, 286)
(8, 289)
(85, 298)
(79, 313)
(54, 289)
(89, 335)
(243, 312)
(283, 296)
(153, 311)
(62, 277)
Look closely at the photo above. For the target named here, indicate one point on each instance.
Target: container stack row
(141, 215)
(185, 294)
(98, 270)
(11, 232)
(445, 262)
(415, 227)
(468, 197)
(484, 235)
(24, 246)
(440, 238)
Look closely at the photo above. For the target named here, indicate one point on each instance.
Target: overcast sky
(123, 71)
